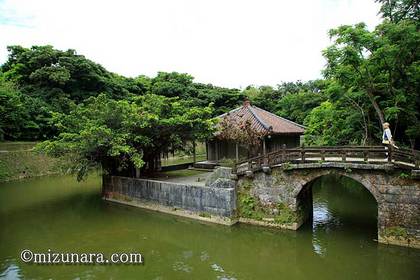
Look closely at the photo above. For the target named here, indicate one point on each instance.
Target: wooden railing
(401, 157)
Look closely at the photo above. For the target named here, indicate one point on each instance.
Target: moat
(60, 214)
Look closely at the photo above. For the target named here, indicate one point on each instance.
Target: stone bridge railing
(403, 158)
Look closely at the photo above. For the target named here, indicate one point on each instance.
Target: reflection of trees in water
(339, 238)
(342, 209)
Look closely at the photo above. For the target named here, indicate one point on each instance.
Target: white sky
(231, 43)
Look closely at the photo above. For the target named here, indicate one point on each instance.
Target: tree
(121, 135)
(240, 131)
(45, 72)
(11, 111)
(290, 100)
(397, 10)
(22, 117)
(384, 65)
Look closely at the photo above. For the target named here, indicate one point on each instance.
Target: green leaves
(119, 134)
(383, 65)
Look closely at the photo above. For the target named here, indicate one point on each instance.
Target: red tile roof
(264, 121)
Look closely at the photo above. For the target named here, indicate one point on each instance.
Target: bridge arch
(304, 200)
(397, 195)
(318, 173)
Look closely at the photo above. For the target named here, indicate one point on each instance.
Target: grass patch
(16, 146)
(286, 215)
(227, 162)
(180, 173)
(249, 207)
(204, 215)
(396, 232)
(18, 164)
(183, 159)
(175, 174)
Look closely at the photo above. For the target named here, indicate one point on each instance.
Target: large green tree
(121, 135)
(384, 66)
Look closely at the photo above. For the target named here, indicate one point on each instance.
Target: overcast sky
(224, 42)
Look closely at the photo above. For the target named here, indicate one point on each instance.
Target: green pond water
(60, 214)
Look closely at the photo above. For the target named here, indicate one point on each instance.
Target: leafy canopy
(124, 134)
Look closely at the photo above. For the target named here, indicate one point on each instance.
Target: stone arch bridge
(274, 189)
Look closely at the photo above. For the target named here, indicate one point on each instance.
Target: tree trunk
(377, 109)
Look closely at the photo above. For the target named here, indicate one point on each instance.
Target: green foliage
(404, 175)
(98, 116)
(397, 10)
(286, 166)
(290, 100)
(226, 162)
(396, 232)
(204, 215)
(23, 117)
(26, 164)
(286, 215)
(377, 73)
(249, 206)
(37, 82)
(48, 73)
(326, 126)
(297, 106)
(246, 184)
(123, 134)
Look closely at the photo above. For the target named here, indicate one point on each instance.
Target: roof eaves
(231, 111)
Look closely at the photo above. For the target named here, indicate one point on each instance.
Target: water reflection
(341, 206)
(11, 272)
(63, 215)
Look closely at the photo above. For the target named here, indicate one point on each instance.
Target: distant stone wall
(23, 164)
(217, 199)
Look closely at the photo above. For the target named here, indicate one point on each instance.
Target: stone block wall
(285, 188)
(219, 200)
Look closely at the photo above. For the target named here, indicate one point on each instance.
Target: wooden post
(157, 163)
(302, 152)
(194, 156)
(344, 155)
(216, 148)
(366, 156)
(265, 161)
(237, 151)
(283, 153)
(389, 153)
(264, 148)
(416, 159)
(323, 155)
(235, 168)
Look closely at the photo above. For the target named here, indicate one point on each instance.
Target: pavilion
(275, 132)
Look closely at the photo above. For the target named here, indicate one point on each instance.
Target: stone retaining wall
(218, 199)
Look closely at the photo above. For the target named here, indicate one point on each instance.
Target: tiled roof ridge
(264, 121)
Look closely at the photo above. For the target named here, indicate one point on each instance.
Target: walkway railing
(404, 158)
